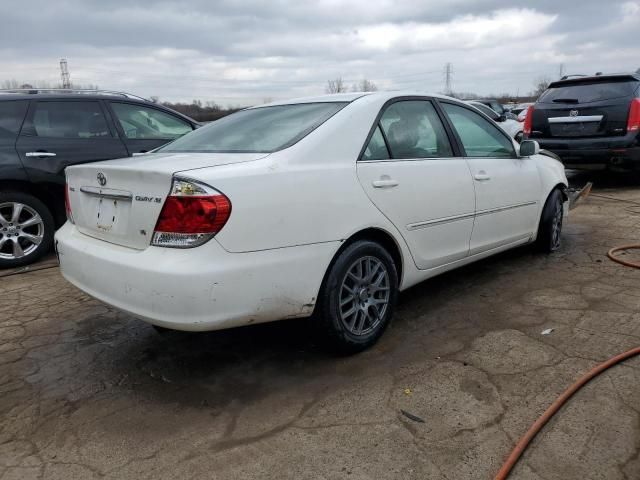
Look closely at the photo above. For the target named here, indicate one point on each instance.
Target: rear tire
(550, 229)
(26, 229)
(357, 298)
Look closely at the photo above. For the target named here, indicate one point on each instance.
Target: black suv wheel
(26, 229)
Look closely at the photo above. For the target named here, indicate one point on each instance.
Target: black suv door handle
(40, 154)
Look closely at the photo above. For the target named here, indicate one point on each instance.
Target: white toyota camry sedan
(321, 207)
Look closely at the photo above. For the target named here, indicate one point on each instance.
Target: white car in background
(323, 206)
(513, 127)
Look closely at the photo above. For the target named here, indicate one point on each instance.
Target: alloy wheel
(21, 230)
(364, 295)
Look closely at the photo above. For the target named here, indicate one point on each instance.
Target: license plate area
(106, 213)
(574, 129)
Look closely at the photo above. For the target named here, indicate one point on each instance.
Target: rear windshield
(588, 92)
(263, 129)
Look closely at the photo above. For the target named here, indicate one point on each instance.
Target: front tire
(357, 298)
(550, 229)
(26, 229)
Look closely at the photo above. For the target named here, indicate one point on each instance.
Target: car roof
(352, 96)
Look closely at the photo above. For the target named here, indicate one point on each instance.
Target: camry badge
(102, 180)
(573, 113)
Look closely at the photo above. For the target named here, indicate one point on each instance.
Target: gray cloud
(243, 52)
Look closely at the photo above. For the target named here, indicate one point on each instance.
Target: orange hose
(627, 263)
(555, 406)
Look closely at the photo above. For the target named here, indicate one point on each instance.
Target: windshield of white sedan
(263, 129)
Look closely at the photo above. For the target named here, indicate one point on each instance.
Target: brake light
(528, 121)
(633, 122)
(67, 203)
(191, 215)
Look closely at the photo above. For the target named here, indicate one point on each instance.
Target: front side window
(479, 137)
(11, 116)
(414, 130)
(139, 122)
(68, 120)
(262, 129)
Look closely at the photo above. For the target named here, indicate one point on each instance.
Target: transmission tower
(64, 73)
(448, 76)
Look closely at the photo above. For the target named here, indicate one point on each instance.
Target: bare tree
(154, 98)
(336, 86)
(365, 86)
(10, 84)
(541, 84)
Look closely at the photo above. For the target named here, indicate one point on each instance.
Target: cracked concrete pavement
(88, 392)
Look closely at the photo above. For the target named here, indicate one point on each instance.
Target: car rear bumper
(204, 288)
(591, 153)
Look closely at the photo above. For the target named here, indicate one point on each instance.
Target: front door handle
(39, 154)
(481, 176)
(385, 182)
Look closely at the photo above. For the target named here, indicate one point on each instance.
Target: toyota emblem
(102, 180)
(573, 113)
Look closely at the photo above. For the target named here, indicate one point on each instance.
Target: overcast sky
(243, 52)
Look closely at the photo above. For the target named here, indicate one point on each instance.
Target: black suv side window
(11, 117)
(67, 120)
(140, 122)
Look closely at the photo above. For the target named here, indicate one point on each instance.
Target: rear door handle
(385, 183)
(481, 177)
(39, 154)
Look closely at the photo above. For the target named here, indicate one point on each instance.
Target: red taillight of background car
(528, 121)
(191, 215)
(633, 122)
(67, 203)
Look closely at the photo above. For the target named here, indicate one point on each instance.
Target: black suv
(590, 122)
(42, 132)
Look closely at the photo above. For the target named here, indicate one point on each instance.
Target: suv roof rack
(33, 91)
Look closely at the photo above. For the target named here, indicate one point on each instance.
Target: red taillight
(633, 122)
(194, 214)
(528, 121)
(191, 215)
(67, 203)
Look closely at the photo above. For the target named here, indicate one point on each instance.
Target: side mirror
(529, 147)
(501, 118)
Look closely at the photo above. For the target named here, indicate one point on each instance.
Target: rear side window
(68, 120)
(140, 122)
(11, 116)
(479, 136)
(262, 129)
(414, 130)
(588, 92)
(376, 148)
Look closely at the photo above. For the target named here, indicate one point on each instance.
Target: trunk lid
(119, 201)
(583, 108)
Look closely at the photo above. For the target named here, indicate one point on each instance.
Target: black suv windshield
(589, 91)
(263, 129)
